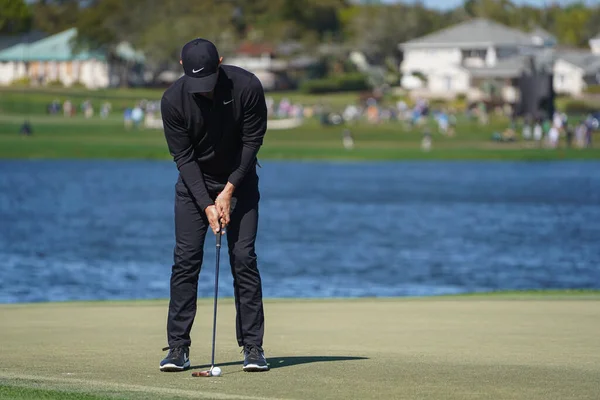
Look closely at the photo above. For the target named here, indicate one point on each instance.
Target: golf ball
(216, 371)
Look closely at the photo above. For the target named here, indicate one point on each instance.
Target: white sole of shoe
(174, 368)
(255, 368)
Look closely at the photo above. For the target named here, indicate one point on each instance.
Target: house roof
(302, 62)
(59, 47)
(473, 33)
(52, 48)
(588, 62)
(7, 41)
(254, 49)
(508, 68)
(514, 66)
(289, 48)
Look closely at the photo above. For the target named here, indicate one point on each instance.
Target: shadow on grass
(281, 362)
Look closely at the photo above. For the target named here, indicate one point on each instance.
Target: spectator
(128, 121)
(137, 116)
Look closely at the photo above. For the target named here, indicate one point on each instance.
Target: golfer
(215, 118)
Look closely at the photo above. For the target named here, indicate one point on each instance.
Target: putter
(212, 361)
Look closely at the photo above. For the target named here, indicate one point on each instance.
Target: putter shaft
(219, 235)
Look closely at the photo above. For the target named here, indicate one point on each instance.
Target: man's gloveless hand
(213, 218)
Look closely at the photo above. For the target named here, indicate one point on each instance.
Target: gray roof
(589, 62)
(289, 48)
(514, 66)
(508, 68)
(473, 33)
(302, 62)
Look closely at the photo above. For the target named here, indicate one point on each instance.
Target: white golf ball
(216, 371)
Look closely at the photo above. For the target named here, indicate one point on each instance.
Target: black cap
(200, 61)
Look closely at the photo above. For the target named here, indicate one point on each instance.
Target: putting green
(474, 347)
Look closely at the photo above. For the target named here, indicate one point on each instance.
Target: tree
(593, 25)
(159, 28)
(571, 24)
(502, 11)
(377, 30)
(162, 39)
(15, 16)
(309, 21)
(55, 16)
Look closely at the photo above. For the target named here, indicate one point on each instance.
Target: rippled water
(104, 229)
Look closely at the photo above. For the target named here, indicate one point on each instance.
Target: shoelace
(174, 352)
(253, 350)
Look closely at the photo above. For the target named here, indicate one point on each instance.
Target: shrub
(338, 83)
(352, 82)
(421, 76)
(25, 81)
(593, 89)
(318, 86)
(78, 85)
(581, 107)
(55, 83)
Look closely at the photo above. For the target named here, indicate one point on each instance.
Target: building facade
(464, 58)
(54, 60)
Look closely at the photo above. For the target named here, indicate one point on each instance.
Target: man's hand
(223, 204)
(213, 218)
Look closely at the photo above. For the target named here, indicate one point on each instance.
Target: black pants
(191, 226)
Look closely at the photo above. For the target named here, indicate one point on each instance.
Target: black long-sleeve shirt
(215, 141)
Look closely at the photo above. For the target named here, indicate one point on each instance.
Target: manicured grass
(14, 100)
(510, 347)
(25, 393)
(59, 137)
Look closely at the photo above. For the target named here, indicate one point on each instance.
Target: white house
(464, 58)
(575, 70)
(595, 44)
(446, 58)
(53, 59)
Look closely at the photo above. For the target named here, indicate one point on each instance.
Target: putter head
(202, 373)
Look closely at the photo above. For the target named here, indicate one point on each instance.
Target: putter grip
(219, 235)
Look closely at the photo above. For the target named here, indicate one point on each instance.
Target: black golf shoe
(178, 359)
(254, 359)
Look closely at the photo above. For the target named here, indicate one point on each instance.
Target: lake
(83, 230)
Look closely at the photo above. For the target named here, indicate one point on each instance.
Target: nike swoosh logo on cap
(227, 102)
(197, 70)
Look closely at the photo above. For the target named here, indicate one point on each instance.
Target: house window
(448, 82)
(474, 53)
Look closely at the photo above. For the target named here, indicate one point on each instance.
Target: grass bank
(59, 137)
(434, 348)
(14, 100)
(77, 138)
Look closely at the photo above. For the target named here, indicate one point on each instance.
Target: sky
(445, 4)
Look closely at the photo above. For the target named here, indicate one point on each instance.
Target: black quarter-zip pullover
(215, 141)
